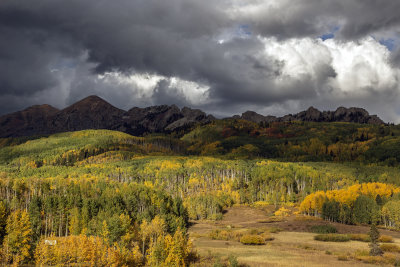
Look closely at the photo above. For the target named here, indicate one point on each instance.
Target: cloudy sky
(225, 57)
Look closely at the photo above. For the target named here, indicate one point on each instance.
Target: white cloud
(360, 66)
(195, 93)
(144, 85)
(356, 73)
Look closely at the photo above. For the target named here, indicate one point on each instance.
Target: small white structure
(50, 242)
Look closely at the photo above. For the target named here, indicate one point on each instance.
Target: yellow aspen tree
(105, 233)
(17, 243)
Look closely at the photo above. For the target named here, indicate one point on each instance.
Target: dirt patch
(243, 215)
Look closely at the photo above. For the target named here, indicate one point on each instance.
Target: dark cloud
(23, 65)
(53, 51)
(349, 19)
(165, 93)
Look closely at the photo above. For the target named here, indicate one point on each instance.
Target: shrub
(360, 237)
(332, 238)
(323, 229)
(388, 258)
(252, 240)
(275, 230)
(385, 239)
(391, 259)
(343, 258)
(390, 248)
(233, 262)
(361, 253)
(218, 263)
(373, 259)
(282, 212)
(225, 235)
(272, 219)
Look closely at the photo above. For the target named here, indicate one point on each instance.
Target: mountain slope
(94, 112)
(31, 121)
(90, 113)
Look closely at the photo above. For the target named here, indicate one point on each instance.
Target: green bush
(323, 229)
(252, 240)
(360, 237)
(332, 238)
(274, 230)
(233, 262)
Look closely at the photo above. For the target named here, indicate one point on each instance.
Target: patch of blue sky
(244, 30)
(329, 35)
(390, 43)
(64, 64)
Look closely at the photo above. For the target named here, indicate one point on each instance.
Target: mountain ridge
(93, 112)
(341, 114)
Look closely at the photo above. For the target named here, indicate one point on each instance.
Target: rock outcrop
(355, 115)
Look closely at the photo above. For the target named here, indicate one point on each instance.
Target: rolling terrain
(202, 196)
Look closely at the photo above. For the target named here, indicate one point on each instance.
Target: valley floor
(293, 246)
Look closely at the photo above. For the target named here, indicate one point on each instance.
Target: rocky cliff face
(355, 115)
(95, 113)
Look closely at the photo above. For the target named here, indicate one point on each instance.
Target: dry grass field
(293, 244)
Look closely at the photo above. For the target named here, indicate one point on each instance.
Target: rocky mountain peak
(252, 116)
(342, 114)
(91, 103)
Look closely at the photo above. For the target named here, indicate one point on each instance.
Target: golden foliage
(17, 243)
(86, 250)
(312, 204)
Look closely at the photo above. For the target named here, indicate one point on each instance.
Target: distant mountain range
(356, 115)
(95, 113)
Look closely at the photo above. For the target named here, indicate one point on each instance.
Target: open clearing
(294, 246)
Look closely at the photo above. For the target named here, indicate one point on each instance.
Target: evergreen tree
(3, 220)
(374, 235)
(365, 210)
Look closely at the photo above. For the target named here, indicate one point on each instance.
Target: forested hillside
(298, 141)
(106, 197)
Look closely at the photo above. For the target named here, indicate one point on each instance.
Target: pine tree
(3, 220)
(374, 235)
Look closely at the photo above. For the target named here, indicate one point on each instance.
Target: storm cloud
(225, 57)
